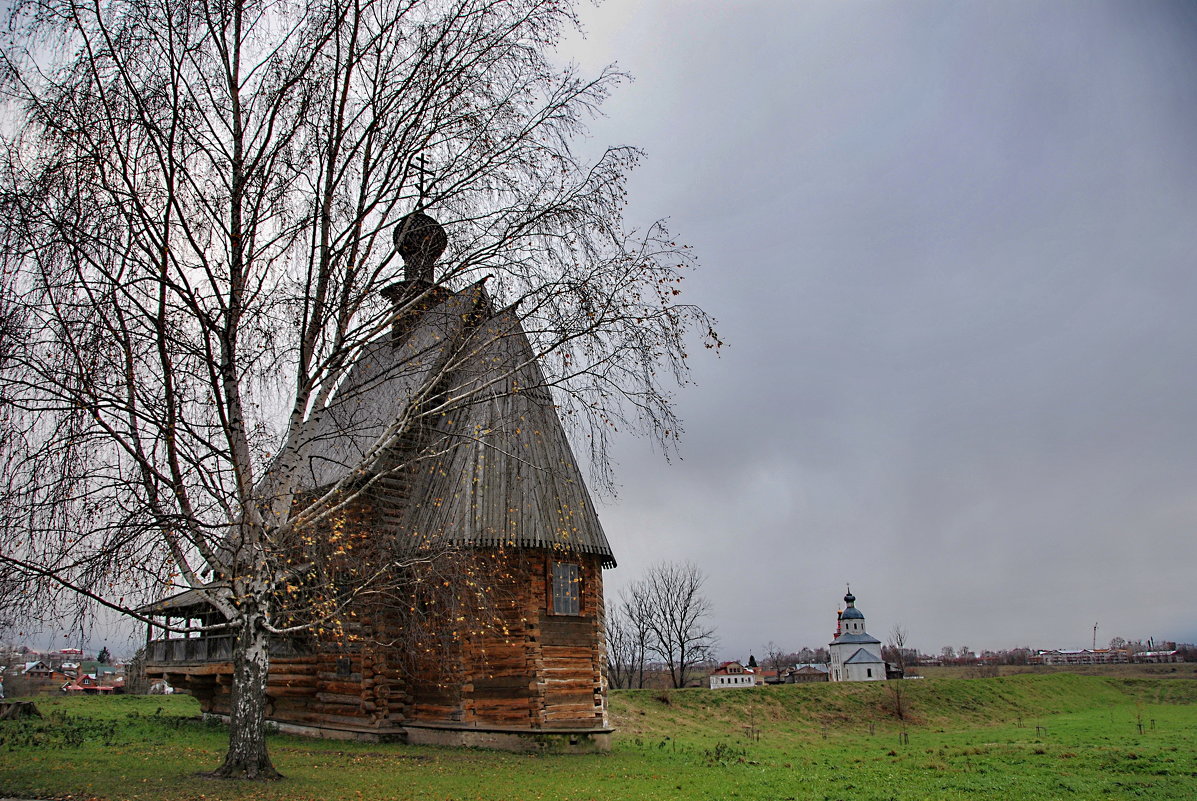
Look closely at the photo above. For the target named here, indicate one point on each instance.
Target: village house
(811, 671)
(767, 676)
(92, 684)
(731, 675)
(38, 669)
(502, 486)
(36, 676)
(1079, 656)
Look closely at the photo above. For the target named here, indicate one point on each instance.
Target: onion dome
(850, 611)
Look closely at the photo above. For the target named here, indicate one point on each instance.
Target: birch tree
(199, 202)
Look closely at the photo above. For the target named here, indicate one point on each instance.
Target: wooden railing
(207, 649)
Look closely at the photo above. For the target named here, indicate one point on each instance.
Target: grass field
(1018, 737)
(1177, 670)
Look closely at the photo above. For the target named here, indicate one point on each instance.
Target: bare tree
(777, 659)
(895, 649)
(634, 601)
(896, 690)
(622, 654)
(198, 205)
(629, 636)
(682, 636)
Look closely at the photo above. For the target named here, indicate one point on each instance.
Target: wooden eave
(190, 601)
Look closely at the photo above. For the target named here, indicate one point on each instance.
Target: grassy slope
(928, 703)
(1177, 670)
(800, 742)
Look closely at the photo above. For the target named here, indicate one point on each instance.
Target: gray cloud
(952, 248)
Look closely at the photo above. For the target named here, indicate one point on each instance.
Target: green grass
(1018, 737)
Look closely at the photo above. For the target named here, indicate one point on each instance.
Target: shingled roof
(861, 657)
(502, 470)
(856, 639)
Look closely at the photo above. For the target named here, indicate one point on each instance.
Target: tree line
(663, 617)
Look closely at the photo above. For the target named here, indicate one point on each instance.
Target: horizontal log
(342, 687)
(569, 700)
(501, 669)
(574, 723)
(491, 682)
(556, 673)
(335, 710)
(520, 722)
(337, 720)
(293, 703)
(523, 706)
(568, 628)
(294, 660)
(551, 676)
(290, 678)
(574, 665)
(578, 712)
(569, 688)
(432, 711)
(203, 669)
(589, 651)
(339, 698)
(517, 665)
(496, 693)
(282, 692)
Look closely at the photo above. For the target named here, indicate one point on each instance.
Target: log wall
(528, 669)
(525, 669)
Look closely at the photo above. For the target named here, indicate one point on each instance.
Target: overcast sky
(952, 248)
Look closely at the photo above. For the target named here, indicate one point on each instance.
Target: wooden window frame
(555, 605)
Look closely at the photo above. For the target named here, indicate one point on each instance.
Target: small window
(567, 589)
(870, 670)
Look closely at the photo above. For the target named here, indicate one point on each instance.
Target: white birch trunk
(247, 756)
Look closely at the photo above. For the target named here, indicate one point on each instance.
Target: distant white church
(855, 656)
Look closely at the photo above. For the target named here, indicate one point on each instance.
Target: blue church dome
(851, 612)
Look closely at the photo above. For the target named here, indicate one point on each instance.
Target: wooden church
(512, 655)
